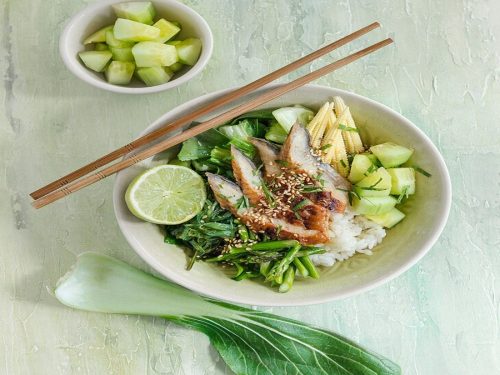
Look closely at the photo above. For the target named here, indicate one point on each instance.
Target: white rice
(349, 234)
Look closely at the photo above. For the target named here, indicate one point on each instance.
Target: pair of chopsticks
(81, 178)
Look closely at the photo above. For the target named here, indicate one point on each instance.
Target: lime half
(166, 194)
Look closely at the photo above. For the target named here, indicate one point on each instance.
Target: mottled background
(441, 317)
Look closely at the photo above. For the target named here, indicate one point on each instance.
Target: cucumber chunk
(131, 31)
(148, 54)
(99, 36)
(167, 30)
(361, 166)
(120, 72)
(373, 205)
(189, 50)
(113, 42)
(288, 116)
(122, 54)
(402, 180)
(101, 47)
(377, 184)
(389, 219)
(391, 154)
(155, 75)
(139, 11)
(95, 60)
(176, 67)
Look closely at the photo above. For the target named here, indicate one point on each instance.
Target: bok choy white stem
(250, 342)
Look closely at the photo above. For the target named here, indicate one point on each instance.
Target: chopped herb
(422, 171)
(283, 163)
(325, 147)
(301, 204)
(278, 230)
(404, 194)
(311, 189)
(297, 215)
(257, 170)
(348, 128)
(372, 168)
(343, 163)
(269, 196)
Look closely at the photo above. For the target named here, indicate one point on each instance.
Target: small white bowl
(406, 243)
(101, 14)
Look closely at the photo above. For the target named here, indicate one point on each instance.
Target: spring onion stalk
(249, 341)
(259, 246)
(288, 278)
(313, 272)
(300, 267)
(280, 267)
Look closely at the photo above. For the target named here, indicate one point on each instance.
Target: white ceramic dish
(100, 14)
(403, 246)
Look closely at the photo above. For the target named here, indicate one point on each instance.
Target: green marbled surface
(441, 317)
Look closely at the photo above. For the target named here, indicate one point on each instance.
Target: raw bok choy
(249, 341)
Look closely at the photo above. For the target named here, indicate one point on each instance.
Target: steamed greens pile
(249, 341)
(252, 255)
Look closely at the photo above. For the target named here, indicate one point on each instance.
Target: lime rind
(166, 194)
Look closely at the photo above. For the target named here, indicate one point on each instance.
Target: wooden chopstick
(228, 98)
(220, 119)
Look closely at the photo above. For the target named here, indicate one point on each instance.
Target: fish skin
(247, 176)
(269, 154)
(297, 152)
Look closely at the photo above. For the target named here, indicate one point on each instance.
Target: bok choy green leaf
(250, 342)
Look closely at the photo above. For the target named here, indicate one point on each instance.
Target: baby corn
(318, 125)
(352, 140)
(333, 146)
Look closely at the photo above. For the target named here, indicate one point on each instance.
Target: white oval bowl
(427, 212)
(101, 14)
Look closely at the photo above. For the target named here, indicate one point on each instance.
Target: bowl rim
(348, 292)
(74, 66)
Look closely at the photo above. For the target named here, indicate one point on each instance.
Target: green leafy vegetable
(348, 128)
(249, 341)
(276, 133)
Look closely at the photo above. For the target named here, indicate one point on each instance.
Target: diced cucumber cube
(155, 75)
(113, 42)
(361, 166)
(377, 184)
(99, 36)
(148, 54)
(388, 219)
(189, 50)
(390, 154)
(101, 47)
(139, 11)
(95, 60)
(120, 72)
(122, 54)
(373, 205)
(403, 180)
(176, 23)
(176, 67)
(132, 31)
(288, 116)
(167, 30)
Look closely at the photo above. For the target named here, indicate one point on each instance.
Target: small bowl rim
(118, 201)
(71, 62)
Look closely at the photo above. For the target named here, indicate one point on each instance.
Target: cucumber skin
(176, 67)
(373, 205)
(390, 154)
(388, 219)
